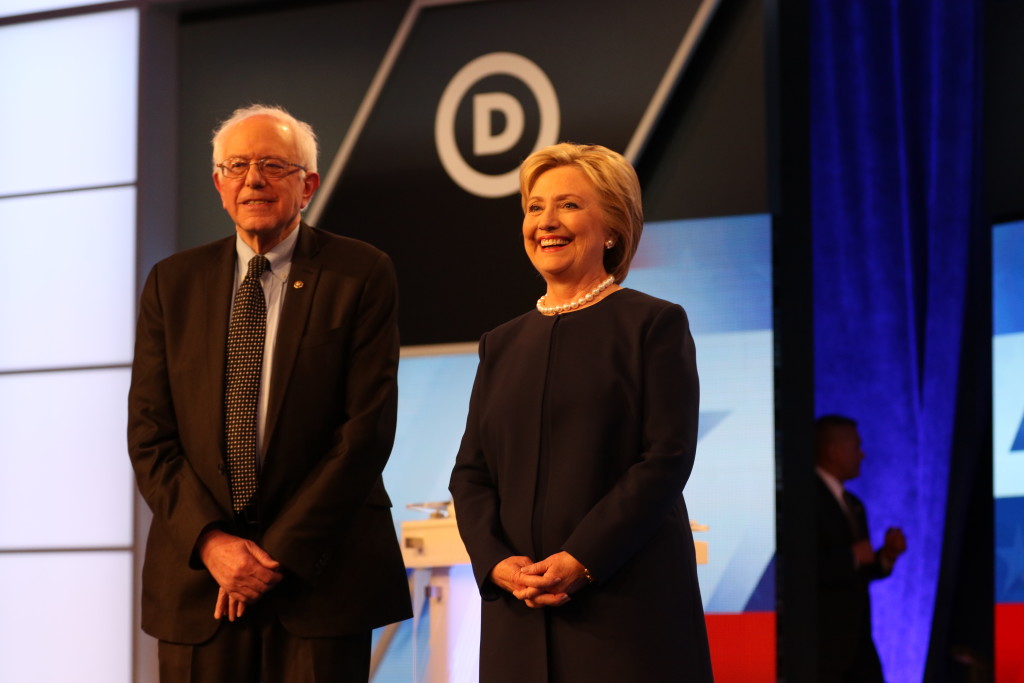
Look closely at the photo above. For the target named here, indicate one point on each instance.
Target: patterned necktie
(244, 367)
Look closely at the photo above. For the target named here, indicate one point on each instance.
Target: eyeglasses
(269, 167)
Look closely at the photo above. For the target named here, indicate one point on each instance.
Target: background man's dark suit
(846, 651)
(323, 511)
(847, 561)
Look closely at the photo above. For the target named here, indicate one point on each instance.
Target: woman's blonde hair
(617, 185)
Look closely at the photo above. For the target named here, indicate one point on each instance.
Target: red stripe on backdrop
(1010, 642)
(742, 647)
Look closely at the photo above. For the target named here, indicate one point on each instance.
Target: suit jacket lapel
(302, 281)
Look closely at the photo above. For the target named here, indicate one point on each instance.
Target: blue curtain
(894, 140)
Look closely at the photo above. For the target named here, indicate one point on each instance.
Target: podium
(442, 583)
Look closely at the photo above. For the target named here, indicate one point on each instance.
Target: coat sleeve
(836, 564)
(179, 499)
(475, 493)
(640, 501)
(875, 570)
(305, 533)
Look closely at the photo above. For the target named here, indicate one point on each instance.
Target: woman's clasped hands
(547, 583)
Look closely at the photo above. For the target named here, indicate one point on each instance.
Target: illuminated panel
(1008, 445)
(433, 399)
(13, 8)
(66, 617)
(65, 478)
(73, 302)
(70, 88)
(719, 270)
(70, 102)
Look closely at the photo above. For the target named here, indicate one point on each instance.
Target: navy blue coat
(581, 435)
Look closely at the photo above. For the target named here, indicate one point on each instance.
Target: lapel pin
(298, 284)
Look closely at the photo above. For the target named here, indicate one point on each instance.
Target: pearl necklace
(582, 301)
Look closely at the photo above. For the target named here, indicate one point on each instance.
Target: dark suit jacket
(846, 651)
(323, 510)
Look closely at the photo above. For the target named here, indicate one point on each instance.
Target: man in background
(261, 415)
(847, 562)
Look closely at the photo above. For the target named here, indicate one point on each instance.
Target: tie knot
(257, 264)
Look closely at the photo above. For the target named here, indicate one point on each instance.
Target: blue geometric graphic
(1009, 549)
(1007, 278)
(718, 268)
(708, 420)
(763, 597)
(1018, 442)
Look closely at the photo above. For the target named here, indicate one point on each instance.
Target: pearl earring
(609, 244)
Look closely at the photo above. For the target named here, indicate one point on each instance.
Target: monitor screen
(1008, 444)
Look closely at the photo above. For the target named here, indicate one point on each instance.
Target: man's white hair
(305, 138)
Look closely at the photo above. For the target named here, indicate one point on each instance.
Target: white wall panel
(68, 127)
(12, 8)
(65, 617)
(69, 89)
(65, 478)
(68, 299)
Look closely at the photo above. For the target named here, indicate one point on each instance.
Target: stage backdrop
(370, 76)
(424, 111)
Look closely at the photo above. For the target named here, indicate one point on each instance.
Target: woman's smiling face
(564, 228)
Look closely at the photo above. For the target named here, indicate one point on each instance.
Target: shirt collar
(832, 482)
(280, 257)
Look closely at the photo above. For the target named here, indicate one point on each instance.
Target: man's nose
(254, 177)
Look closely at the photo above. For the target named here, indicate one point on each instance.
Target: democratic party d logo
(487, 141)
